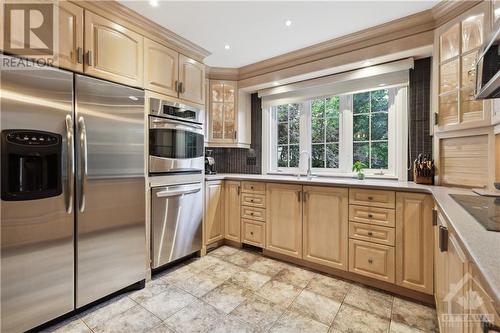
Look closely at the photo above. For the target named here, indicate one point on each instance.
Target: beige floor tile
(232, 325)
(182, 273)
(72, 325)
(226, 297)
(315, 306)
(162, 328)
(279, 292)
(267, 266)
(402, 328)
(414, 315)
(242, 258)
(134, 320)
(328, 286)
(107, 310)
(370, 300)
(169, 302)
(223, 251)
(351, 319)
(258, 312)
(152, 288)
(249, 279)
(223, 270)
(196, 317)
(294, 322)
(294, 275)
(201, 264)
(200, 283)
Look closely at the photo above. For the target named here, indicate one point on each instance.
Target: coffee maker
(209, 164)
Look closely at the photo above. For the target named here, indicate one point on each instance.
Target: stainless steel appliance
(175, 138)
(486, 210)
(488, 68)
(73, 193)
(176, 218)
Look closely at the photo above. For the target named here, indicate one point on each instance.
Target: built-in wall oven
(176, 166)
(175, 138)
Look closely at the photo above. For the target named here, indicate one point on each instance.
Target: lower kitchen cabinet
(372, 260)
(414, 241)
(214, 212)
(325, 226)
(284, 219)
(232, 194)
(253, 232)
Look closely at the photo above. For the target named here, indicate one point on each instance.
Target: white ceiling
(256, 30)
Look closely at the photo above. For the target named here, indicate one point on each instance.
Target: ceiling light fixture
(154, 3)
(133, 98)
(288, 23)
(227, 46)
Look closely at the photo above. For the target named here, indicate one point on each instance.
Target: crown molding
(222, 73)
(447, 10)
(115, 11)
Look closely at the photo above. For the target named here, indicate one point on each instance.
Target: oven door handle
(175, 124)
(167, 193)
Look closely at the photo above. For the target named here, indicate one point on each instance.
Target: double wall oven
(176, 164)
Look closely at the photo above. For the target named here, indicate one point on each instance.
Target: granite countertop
(482, 245)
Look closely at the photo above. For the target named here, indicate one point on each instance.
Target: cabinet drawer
(253, 213)
(372, 260)
(253, 233)
(254, 200)
(374, 198)
(372, 215)
(372, 233)
(253, 187)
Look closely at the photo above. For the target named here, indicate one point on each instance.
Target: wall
(238, 160)
(419, 138)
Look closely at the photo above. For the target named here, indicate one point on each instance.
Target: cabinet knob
(370, 233)
(251, 187)
(251, 200)
(370, 198)
(370, 216)
(251, 213)
(370, 261)
(251, 233)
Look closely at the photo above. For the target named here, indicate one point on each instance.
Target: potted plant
(358, 167)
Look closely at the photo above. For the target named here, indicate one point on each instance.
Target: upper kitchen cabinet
(229, 115)
(191, 80)
(112, 51)
(70, 55)
(456, 45)
(161, 68)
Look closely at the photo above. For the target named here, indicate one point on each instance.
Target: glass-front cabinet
(457, 46)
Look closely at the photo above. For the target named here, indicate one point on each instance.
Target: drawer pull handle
(370, 198)
(370, 216)
(370, 233)
(370, 261)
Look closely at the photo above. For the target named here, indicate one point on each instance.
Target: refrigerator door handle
(70, 161)
(83, 162)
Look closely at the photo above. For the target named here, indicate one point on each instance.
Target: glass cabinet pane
(217, 92)
(229, 130)
(229, 121)
(228, 92)
(470, 108)
(472, 32)
(217, 123)
(469, 69)
(448, 109)
(450, 43)
(229, 112)
(449, 76)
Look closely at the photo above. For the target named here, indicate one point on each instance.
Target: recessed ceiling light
(227, 46)
(133, 98)
(288, 23)
(154, 3)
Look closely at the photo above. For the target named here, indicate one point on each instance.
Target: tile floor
(232, 290)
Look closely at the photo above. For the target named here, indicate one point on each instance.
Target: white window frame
(397, 128)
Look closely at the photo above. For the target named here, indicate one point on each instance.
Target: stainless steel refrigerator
(73, 193)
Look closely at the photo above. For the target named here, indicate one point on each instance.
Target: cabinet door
(161, 68)
(214, 212)
(485, 307)
(325, 227)
(70, 55)
(192, 80)
(414, 263)
(284, 219)
(232, 193)
(440, 275)
(113, 52)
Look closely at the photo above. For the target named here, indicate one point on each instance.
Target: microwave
(488, 69)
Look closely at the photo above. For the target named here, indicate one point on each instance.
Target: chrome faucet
(309, 173)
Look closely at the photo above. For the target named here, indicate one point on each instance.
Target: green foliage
(358, 167)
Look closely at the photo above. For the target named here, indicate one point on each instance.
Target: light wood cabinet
(284, 219)
(325, 226)
(372, 215)
(191, 80)
(161, 68)
(414, 241)
(485, 308)
(253, 232)
(372, 260)
(232, 194)
(372, 233)
(214, 212)
(372, 198)
(113, 52)
(457, 45)
(70, 55)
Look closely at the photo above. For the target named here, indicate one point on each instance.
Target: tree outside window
(288, 135)
(325, 132)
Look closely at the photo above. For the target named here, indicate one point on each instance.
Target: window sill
(334, 175)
